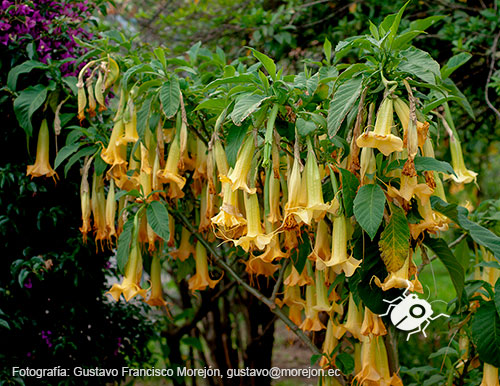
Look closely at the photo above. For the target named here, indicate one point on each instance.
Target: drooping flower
(311, 322)
(85, 202)
(201, 279)
(156, 297)
(340, 260)
(130, 286)
(238, 176)
(490, 375)
(297, 198)
(111, 211)
(322, 244)
(401, 277)
(115, 153)
(98, 202)
(229, 221)
(294, 278)
(354, 319)
(255, 237)
(171, 172)
(333, 333)
(463, 175)
(185, 248)
(323, 303)
(403, 113)
(257, 266)
(42, 165)
(130, 121)
(274, 200)
(293, 300)
(372, 324)
(381, 137)
(368, 166)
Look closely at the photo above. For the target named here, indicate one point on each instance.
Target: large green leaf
(134, 70)
(22, 68)
(369, 208)
(157, 215)
(459, 215)
(452, 265)
(343, 100)
(463, 102)
(350, 185)
(486, 333)
(420, 64)
(245, 105)
(395, 240)
(454, 63)
(234, 139)
(25, 105)
(423, 164)
(267, 62)
(65, 152)
(242, 78)
(497, 295)
(143, 117)
(123, 250)
(170, 96)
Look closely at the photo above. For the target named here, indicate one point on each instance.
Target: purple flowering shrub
(46, 30)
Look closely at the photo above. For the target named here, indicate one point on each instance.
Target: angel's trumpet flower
(403, 113)
(85, 203)
(42, 165)
(322, 244)
(354, 319)
(372, 324)
(274, 200)
(400, 278)
(130, 285)
(98, 201)
(332, 336)
(171, 172)
(201, 279)
(82, 98)
(171, 228)
(311, 322)
(257, 266)
(99, 91)
(428, 151)
(220, 160)
(375, 365)
(463, 175)
(294, 278)
(432, 221)
(238, 176)
(130, 121)
(229, 220)
(273, 251)
(340, 260)
(185, 247)
(254, 237)
(322, 301)
(368, 166)
(381, 137)
(295, 303)
(410, 188)
(490, 375)
(490, 274)
(316, 207)
(294, 208)
(156, 297)
(206, 209)
(111, 211)
(200, 167)
(113, 154)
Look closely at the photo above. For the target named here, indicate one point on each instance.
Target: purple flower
(28, 284)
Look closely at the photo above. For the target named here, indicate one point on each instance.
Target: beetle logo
(411, 313)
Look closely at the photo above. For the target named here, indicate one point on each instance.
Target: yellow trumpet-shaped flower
(256, 266)
(200, 167)
(220, 160)
(130, 286)
(381, 137)
(85, 203)
(372, 324)
(273, 251)
(340, 260)
(42, 165)
(323, 303)
(206, 209)
(463, 175)
(185, 249)
(82, 99)
(311, 322)
(368, 166)
(171, 228)
(274, 200)
(254, 237)
(130, 121)
(490, 375)
(432, 221)
(375, 365)
(297, 198)
(98, 202)
(293, 300)
(403, 113)
(201, 279)
(401, 278)
(156, 297)
(114, 154)
(294, 278)
(238, 176)
(229, 221)
(333, 333)
(490, 274)
(322, 244)
(171, 172)
(354, 319)
(410, 188)
(111, 211)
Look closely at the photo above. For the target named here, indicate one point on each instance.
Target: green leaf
(344, 98)
(234, 140)
(369, 208)
(344, 362)
(374, 30)
(157, 215)
(243, 78)
(429, 163)
(212, 104)
(395, 240)
(134, 70)
(65, 152)
(327, 49)
(405, 38)
(25, 105)
(22, 68)
(497, 296)
(454, 63)
(267, 62)
(459, 215)
(438, 102)
(315, 358)
(245, 105)
(305, 127)
(4, 324)
(350, 185)
(395, 24)
(452, 265)
(486, 333)
(123, 250)
(463, 102)
(420, 64)
(423, 24)
(193, 342)
(304, 251)
(170, 96)
(88, 150)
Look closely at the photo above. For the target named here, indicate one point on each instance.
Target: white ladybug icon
(411, 313)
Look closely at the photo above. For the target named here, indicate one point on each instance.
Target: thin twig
(277, 285)
(492, 67)
(223, 265)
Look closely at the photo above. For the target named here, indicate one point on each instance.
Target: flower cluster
(50, 26)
